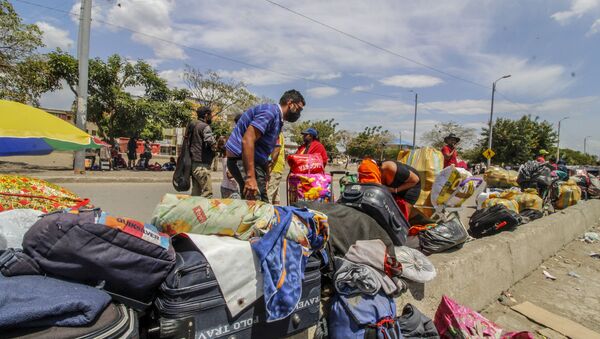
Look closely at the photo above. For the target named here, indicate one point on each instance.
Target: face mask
(292, 116)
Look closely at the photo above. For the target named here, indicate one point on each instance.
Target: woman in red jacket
(312, 145)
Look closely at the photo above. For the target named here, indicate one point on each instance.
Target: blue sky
(551, 49)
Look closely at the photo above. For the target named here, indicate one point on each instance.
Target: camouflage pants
(201, 181)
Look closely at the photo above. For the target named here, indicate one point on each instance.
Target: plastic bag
(447, 189)
(415, 265)
(443, 237)
(529, 200)
(429, 162)
(453, 320)
(509, 203)
(306, 164)
(569, 194)
(500, 178)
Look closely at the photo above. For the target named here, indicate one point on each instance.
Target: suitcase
(190, 304)
(376, 201)
(116, 321)
(492, 220)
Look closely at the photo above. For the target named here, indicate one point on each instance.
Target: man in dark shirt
(252, 144)
(202, 150)
(131, 152)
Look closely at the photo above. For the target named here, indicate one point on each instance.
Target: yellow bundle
(500, 178)
(446, 190)
(429, 162)
(509, 203)
(529, 199)
(569, 194)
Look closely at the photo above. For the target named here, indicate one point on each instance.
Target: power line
(377, 46)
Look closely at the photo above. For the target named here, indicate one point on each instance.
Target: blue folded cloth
(38, 301)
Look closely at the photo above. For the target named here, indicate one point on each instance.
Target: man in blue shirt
(252, 143)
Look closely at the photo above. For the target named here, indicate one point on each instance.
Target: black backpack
(492, 220)
(183, 169)
(376, 201)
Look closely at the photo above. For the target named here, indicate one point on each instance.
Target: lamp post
(489, 162)
(585, 144)
(558, 140)
(414, 141)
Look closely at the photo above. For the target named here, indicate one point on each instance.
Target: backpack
(492, 220)
(363, 316)
(183, 169)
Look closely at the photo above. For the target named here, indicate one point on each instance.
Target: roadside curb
(92, 180)
(477, 273)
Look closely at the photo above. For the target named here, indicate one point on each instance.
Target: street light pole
(83, 54)
(491, 125)
(558, 140)
(415, 123)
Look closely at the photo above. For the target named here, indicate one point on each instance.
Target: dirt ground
(573, 295)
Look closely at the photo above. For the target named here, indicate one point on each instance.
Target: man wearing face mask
(202, 151)
(253, 142)
(312, 145)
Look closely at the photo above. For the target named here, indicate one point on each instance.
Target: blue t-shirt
(267, 118)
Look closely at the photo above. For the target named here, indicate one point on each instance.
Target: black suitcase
(116, 321)
(190, 303)
(376, 201)
(492, 220)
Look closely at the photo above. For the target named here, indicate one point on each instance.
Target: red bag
(306, 164)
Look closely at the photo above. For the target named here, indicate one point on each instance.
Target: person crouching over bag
(402, 181)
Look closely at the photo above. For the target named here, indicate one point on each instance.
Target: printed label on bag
(222, 330)
(200, 215)
(136, 228)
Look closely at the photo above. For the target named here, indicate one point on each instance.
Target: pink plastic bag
(456, 321)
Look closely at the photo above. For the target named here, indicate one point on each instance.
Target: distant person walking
(449, 150)
(254, 139)
(202, 150)
(541, 156)
(131, 152)
(147, 153)
(312, 145)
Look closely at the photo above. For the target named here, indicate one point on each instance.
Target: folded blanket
(37, 301)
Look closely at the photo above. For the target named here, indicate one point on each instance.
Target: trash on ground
(548, 275)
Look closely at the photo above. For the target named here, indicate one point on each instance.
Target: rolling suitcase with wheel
(191, 305)
(376, 201)
(492, 220)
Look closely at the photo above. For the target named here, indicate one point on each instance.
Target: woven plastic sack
(446, 189)
(18, 191)
(500, 178)
(306, 163)
(415, 265)
(511, 204)
(529, 200)
(231, 217)
(568, 194)
(453, 320)
(311, 187)
(14, 224)
(429, 162)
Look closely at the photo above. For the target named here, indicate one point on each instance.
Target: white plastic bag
(415, 265)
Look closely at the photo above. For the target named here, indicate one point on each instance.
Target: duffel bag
(443, 237)
(191, 304)
(377, 201)
(306, 163)
(492, 220)
(128, 258)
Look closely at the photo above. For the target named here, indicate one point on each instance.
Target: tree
(517, 141)
(24, 76)
(326, 129)
(221, 95)
(111, 105)
(573, 157)
(370, 142)
(435, 137)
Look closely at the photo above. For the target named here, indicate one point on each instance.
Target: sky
(361, 62)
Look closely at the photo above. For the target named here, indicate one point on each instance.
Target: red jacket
(315, 147)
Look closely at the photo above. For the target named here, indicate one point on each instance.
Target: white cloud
(595, 28)
(577, 10)
(411, 81)
(174, 77)
(322, 92)
(362, 88)
(256, 77)
(325, 76)
(389, 106)
(55, 37)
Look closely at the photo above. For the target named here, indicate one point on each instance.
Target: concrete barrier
(478, 272)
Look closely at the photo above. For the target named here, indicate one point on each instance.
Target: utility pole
(585, 144)
(491, 125)
(558, 140)
(83, 56)
(415, 124)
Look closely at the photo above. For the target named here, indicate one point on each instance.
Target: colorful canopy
(25, 130)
